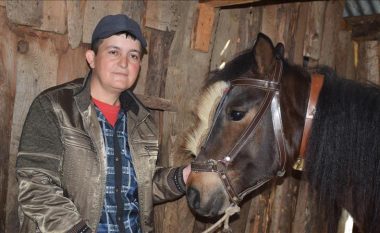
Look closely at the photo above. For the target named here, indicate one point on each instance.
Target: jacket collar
(129, 102)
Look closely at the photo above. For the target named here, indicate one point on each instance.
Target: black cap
(113, 24)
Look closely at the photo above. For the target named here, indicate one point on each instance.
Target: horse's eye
(237, 115)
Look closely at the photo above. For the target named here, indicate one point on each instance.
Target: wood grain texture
(331, 27)
(365, 28)
(314, 30)
(222, 3)
(94, 11)
(202, 32)
(162, 15)
(368, 65)
(186, 71)
(35, 70)
(75, 17)
(8, 51)
(54, 16)
(25, 12)
(228, 38)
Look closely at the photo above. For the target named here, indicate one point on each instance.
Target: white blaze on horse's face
(206, 107)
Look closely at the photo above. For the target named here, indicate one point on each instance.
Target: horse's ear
(264, 53)
(279, 50)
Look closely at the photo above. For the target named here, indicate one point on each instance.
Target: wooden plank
(250, 21)
(157, 103)
(53, 16)
(331, 27)
(227, 37)
(94, 11)
(368, 66)
(186, 71)
(161, 15)
(314, 30)
(302, 215)
(259, 215)
(25, 12)
(136, 10)
(365, 28)
(8, 49)
(269, 22)
(72, 64)
(157, 70)
(222, 3)
(201, 34)
(344, 64)
(75, 15)
(36, 70)
(284, 202)
(296, 55)
(45, 15)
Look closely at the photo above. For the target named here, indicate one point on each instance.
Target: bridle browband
(272, 92)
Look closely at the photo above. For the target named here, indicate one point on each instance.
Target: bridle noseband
(272, 92)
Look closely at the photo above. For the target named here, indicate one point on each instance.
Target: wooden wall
(42, 43)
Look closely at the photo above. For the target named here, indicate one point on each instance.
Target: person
(88, 149)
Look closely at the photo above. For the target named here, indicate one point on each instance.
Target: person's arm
(169, 183)
(38, 169)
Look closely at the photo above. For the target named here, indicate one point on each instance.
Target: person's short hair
(95, 44)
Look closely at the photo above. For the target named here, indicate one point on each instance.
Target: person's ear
(90, 57)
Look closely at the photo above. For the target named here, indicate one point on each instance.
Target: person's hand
(186, 173)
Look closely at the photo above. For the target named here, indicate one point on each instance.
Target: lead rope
(231, 210)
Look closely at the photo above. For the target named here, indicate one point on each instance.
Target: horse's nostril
(193, 198)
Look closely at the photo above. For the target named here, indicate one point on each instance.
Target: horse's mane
(344, 150)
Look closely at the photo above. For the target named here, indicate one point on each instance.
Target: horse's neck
(294, 98)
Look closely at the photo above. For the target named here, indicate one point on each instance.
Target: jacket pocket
(77, 138)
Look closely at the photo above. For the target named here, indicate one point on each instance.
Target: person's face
(116, 65)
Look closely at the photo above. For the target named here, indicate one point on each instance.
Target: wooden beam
(365, 28)
(161, 15)
(201, 35)
(222, 3)
(157, 103)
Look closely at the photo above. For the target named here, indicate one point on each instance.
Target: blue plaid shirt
(131, 219)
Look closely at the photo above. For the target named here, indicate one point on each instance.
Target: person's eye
(134, 57)
(113, 52)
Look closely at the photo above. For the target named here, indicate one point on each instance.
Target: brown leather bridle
(272, 92)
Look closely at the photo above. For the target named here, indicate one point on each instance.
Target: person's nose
(123, 62)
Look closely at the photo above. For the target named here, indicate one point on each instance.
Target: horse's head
(238, 139)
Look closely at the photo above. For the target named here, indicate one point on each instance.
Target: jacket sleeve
(168, 184)
(38, 168)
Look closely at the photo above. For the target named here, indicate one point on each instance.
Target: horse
(260, 115)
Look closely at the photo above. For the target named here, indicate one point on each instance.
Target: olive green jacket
(61, 166)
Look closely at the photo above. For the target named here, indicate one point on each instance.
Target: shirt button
(117, 159)
(117, 190)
